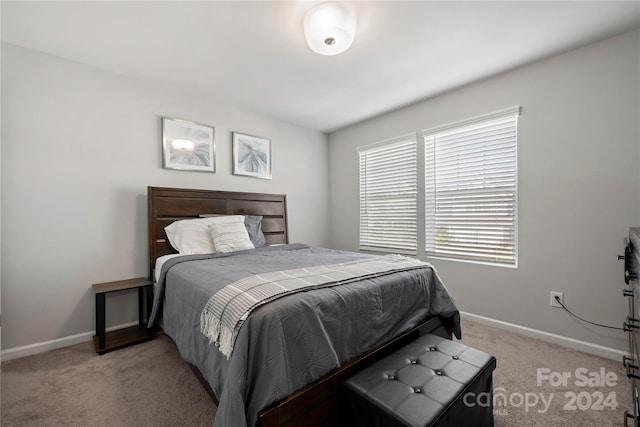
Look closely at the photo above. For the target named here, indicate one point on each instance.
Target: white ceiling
(254, 55)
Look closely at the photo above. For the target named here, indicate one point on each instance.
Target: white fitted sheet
(159, 262)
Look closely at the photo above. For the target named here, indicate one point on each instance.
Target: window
(388, 191)
(471, 190)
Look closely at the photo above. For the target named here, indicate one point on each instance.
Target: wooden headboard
(166, 205)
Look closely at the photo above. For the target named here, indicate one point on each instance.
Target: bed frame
(319, 403)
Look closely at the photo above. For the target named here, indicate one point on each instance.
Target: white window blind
(388, 190)
(471, 190)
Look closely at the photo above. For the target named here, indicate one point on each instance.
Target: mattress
(160, 262)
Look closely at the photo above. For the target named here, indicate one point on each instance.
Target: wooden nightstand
(108, 341)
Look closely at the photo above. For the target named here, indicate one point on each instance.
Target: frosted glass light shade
(330, 28)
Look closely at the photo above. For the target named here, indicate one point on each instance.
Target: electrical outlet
(554, 302)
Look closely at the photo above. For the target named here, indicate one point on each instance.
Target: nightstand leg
(149, 296)
(100, 320)
(141, 306)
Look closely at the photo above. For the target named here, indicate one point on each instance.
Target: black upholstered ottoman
(431, 381)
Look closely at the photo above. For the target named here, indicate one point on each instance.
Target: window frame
(366, 242)
(430, 217)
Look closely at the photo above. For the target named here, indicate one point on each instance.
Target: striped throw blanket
(228, 308)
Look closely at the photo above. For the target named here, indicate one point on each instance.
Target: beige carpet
(518, 359)
(149, 385)
(142, 385)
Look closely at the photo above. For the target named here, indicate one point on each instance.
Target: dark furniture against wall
(632, 323)
(104, 341)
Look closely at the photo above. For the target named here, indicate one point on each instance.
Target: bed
(285, 369)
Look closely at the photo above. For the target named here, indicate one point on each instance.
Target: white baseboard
(587, 347)
(27, 350)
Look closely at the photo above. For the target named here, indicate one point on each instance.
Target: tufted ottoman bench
(431, 381)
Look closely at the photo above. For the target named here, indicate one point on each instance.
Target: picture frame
(188, 145)
(251, 155)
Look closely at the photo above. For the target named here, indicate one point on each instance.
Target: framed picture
(251, 156)
(188, 146)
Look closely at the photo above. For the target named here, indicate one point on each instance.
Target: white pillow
(191, 236)
(230, 236)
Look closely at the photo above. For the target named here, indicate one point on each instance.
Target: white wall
(79, 148)
(579, 182)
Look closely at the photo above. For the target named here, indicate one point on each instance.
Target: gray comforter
(294, 340)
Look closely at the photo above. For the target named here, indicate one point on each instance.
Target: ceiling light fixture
(330, 28)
